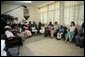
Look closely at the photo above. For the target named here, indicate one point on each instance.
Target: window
(73, 11)
(66, 16)
(57, 12)
(45, 18)
(57, 15)
(50, 13)
(81, 14)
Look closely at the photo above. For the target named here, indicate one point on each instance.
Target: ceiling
(34, 3)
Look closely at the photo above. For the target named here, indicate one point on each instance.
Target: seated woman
(80, 37)
(11, 38)
(8, 32)
(56, 26)
(60, 32)
(64, 33)
(27, 33)
(46, 32)
(15, 29)
(42, 30)
(49, 29)
(52, 31)
(39, 27)
(34, 28)
(71, 32)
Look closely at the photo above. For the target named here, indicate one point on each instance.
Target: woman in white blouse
(71, 32)
(42, 30)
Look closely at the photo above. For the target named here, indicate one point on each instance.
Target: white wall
(33, 11)
(16, 13)
(34, 14)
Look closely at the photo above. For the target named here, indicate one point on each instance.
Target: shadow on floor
(26, 52)
(32, 40)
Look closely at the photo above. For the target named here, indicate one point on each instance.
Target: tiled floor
(45, 46)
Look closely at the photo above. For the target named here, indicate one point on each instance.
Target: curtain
(73, 11)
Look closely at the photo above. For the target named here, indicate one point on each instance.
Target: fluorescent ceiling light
(26, 1)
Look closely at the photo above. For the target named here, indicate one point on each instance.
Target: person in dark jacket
(80, 37)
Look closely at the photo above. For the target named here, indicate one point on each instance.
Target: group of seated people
(59, 31)
(20, 32)
(71, 33)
